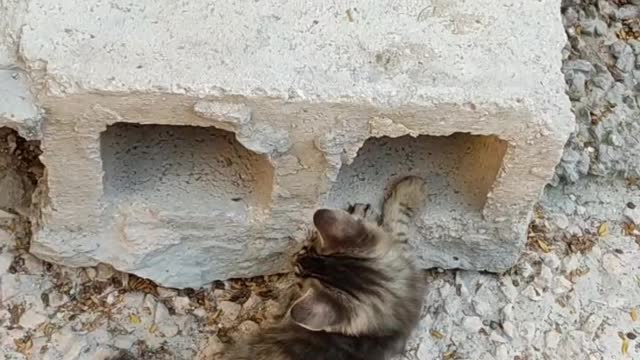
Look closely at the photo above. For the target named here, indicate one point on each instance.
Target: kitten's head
(355, 279)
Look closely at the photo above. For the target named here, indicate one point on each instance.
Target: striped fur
(360, 292)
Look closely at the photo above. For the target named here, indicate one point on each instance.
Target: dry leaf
(134, 319)
(437, 335)
(634, 314)
(153, 328)
(449, 355)
(544, 246)
(625, 346)
(603, 230)
(23, 345)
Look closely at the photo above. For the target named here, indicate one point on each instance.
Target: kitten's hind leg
(406, 199)
(365, 212)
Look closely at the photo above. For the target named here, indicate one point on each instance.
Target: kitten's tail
(406, 199)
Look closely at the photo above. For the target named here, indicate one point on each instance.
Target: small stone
(230, 312)
(104, 272)
(612, 264)
(509, 329)
(562, 285)
(213, 346)
(182, 304)
(561, 221)
(507, 313)
(528, 330)
(248, 327)
(494, 325)
(482, 308)
(495, 337)
(200, 312)
(633, 215)
(631, 336)
(5, 237)
(165, 293)
(164, 322)
(508, 288)
(551, 339)
(631, 205)
(544, 279)
(252, 302)
(592, 323)
(91, 273)
(628, 12)
(472, 324)
(502, 353)
(551, 260)
(32, 319)
(532, 293)
(525, 269)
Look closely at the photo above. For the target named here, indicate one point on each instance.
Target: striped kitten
(360, 292)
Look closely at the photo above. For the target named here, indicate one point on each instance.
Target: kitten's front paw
(410, 192)
(364, 211)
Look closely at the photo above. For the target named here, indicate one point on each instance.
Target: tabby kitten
(361, 295)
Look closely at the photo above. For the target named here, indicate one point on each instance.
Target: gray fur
(361, 294)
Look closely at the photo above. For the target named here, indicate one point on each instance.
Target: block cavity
(459, 170)
(168, 167)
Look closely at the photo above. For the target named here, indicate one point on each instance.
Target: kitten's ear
(339, 229)
(314, 311)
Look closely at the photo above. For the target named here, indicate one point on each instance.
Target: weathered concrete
(305, 89)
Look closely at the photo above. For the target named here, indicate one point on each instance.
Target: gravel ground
(575, 293)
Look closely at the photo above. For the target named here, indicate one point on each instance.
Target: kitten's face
(341, 273)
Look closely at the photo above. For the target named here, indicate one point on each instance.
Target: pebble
(248, 327)
(31, 319)
(5, 237)
(164, 322)
(472, 324)
(562, 285)
(104, 272)
(507, 312)
(252, 302)
(544, 279)
(91, 273)
(230, 312)
(612, 264)
(502, 353)
(628, 12)
(525, 269)
(592, 323)
(551, 339)
(528, 330)
(182, 304)
(532, 293)
(481, 307)
(551, 260)
(495, 337)
(509, 329)
(632, 215)
(561, 221)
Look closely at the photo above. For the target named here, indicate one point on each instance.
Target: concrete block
(18, 110)
(191, 141)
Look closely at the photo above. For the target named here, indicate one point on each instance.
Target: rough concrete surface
(202, 135)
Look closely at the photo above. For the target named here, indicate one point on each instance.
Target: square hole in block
(459, 170)
(178, 168)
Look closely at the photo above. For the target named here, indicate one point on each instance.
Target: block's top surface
(389, 52)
